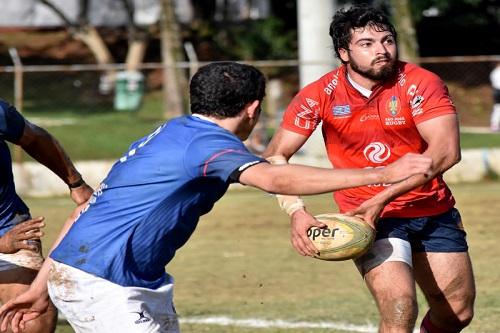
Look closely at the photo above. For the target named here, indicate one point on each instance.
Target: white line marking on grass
(278, 323)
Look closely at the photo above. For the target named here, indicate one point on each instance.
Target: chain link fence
(57, 90)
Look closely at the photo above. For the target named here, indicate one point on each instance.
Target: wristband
(288, 203)
(76, 184)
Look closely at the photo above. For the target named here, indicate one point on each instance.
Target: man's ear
(344, 55)
(253, 109)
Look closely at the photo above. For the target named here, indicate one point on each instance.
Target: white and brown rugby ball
(344, 237)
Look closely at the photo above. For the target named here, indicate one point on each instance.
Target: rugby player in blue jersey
(20, 247)
(106, 272)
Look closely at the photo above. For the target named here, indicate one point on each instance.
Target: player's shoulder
(327, 83)
(417, 73)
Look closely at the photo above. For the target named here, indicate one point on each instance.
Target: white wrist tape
(289, 203)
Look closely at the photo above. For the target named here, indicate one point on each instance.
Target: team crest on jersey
(394, 109)
(393, 106)
(341, 111)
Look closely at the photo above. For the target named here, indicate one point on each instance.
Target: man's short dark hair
(222, 89)
(344, 21)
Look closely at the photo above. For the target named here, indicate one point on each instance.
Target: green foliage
(258, 40)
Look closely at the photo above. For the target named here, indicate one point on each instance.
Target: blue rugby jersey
(11, 129)
(150, 202)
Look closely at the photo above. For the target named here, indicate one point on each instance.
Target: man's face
(372, 54)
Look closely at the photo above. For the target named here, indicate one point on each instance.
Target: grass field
(240, 265)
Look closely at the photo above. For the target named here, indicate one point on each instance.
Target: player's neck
(361, 80)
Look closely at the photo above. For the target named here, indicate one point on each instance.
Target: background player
(374, 109)
(21, 257)
(107, 273)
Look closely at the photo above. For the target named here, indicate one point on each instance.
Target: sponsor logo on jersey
(330, 87)
(377, 152)
(311, 102)
(142, 317)
(368, 117)
(341, 111)
(401, 78)
(305, 119)
(416, 101)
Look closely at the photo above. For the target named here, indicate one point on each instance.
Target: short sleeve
(11, 122)
(430, 98)
(219, 155)
(302, 115)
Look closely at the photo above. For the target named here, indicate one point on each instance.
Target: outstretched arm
(443, 140)
(44, 148)
(295, 179)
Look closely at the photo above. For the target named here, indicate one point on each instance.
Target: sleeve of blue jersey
(219, 156)
(11, 122)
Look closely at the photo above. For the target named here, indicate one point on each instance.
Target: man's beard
(389, 70)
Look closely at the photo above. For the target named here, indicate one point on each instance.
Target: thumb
(351, 212)
(318, 224)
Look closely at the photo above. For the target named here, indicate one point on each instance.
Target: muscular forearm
(298, 179)
(442, 161)
(44, 148)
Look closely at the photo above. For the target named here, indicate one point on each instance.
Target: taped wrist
(289, 203)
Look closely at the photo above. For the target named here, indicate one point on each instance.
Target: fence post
(18, 94)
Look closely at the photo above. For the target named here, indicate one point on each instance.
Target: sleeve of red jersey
(430, 98)
(302, 115)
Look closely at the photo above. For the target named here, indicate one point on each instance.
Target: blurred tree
(81, 29)
(403, 21)
(171, 46)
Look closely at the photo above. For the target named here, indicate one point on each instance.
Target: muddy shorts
(92, 304)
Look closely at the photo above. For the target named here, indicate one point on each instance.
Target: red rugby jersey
(362, 132)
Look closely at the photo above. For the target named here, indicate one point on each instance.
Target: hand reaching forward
(18, 237)
(409, 165)
(25, 307)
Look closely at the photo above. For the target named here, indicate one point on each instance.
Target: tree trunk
(93, 40)
(407, 39)
(135, 54)
(171, 87)
(90, 37)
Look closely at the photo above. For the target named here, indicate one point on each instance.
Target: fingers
(301, 241)
(26, 245)
(16, 320)
(29, 227)
(6, 319)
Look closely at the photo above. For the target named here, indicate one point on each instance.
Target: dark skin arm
(17, 238)
(44, 148)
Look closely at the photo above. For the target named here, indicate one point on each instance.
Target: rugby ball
(344, 237)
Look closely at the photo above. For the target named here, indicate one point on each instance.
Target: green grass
(480, 140)
(240, 264)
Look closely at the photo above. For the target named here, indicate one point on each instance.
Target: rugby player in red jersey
(374, 109)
